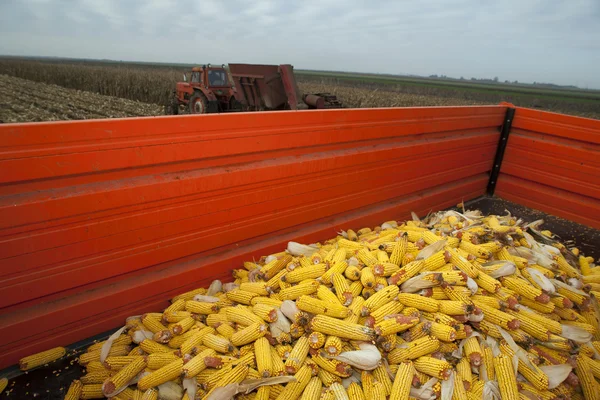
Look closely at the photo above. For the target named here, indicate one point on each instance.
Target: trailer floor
(51, 381)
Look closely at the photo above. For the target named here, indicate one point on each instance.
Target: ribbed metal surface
(552, 163)
(104, 219)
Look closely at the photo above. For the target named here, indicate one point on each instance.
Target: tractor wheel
(198, 104)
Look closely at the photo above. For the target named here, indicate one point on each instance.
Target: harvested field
(362, 97)
(22, 100)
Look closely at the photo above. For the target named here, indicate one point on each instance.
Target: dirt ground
(22, 100)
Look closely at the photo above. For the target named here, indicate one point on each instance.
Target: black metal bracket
(505, 131)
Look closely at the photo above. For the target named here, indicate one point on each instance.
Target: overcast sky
(528, 40)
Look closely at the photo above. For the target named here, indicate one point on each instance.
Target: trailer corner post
(502, 142)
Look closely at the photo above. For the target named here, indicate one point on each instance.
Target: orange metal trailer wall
(104, 219)
(552, 163)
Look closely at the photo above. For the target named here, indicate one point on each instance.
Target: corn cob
(74, 392)
(433, 367)
(45, 357)
(505, 375)
(123, 377)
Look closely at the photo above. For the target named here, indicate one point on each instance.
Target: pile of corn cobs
(457, 306)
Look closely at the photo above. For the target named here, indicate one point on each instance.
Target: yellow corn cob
(95, 377)
(352, 273)
(498, 317)
(294, 292)
(92, 391)
(473, 351)
(297, 355)
(443, 332)
(316, 306)
(540, 394)
(293, 390)
(123, 377)
(215, 319)
(241, 296)
(337, 268)
(414, 349)
(199, 307)
(343, 329)
(386, 268)
(406, 272)
(45, 357)
(278, 367)
(300, 274)
(379, 299)
(194, 341)
(452, 307)
(392, 307)
(378, 392)
(395, 325)
(418, 302)
(586, 379)
(242, 316)
(537, 306)
(248, 334)
(259, 288)
(506, 378)
(488, 283)
(367, 277)
(463, 373)
(313, 389)
(433, 367)
(333, 345)
(189, 295)
(447, 347)
(264, 359)
(272, 268)
(266, 301)
(120, 341)
(153, 323)
(333, 366)
(462, 263)
(74, 392)
(161, 375)
(354, 390)
(225, 330)
(367, 380)
(198, 363)
(217, 343)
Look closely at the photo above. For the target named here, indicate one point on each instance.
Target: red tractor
(244, 87)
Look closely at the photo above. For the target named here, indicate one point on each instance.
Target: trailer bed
(51, 382)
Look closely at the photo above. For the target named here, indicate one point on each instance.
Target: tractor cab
(206, 89)
(209, 76)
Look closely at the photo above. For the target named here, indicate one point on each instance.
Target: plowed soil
(22, 100)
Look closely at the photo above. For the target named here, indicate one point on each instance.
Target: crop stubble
(22, 100)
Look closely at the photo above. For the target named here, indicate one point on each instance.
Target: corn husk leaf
(297, 249)
(448, 387)
(519, 352)
(108, 344)
(289, 309)
(499, 268)
(367, 358)
(215, 287)
(544, 283)
(140, 335)
(206, 299)
(575, 334)
(417, 283)
(491, 391)
(228, 391)
(556, 373)
(170, 391)
(430, 250)
(425, 392)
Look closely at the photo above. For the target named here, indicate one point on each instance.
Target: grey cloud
(528, 40)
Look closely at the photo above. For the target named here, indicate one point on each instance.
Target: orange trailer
(104, 219)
